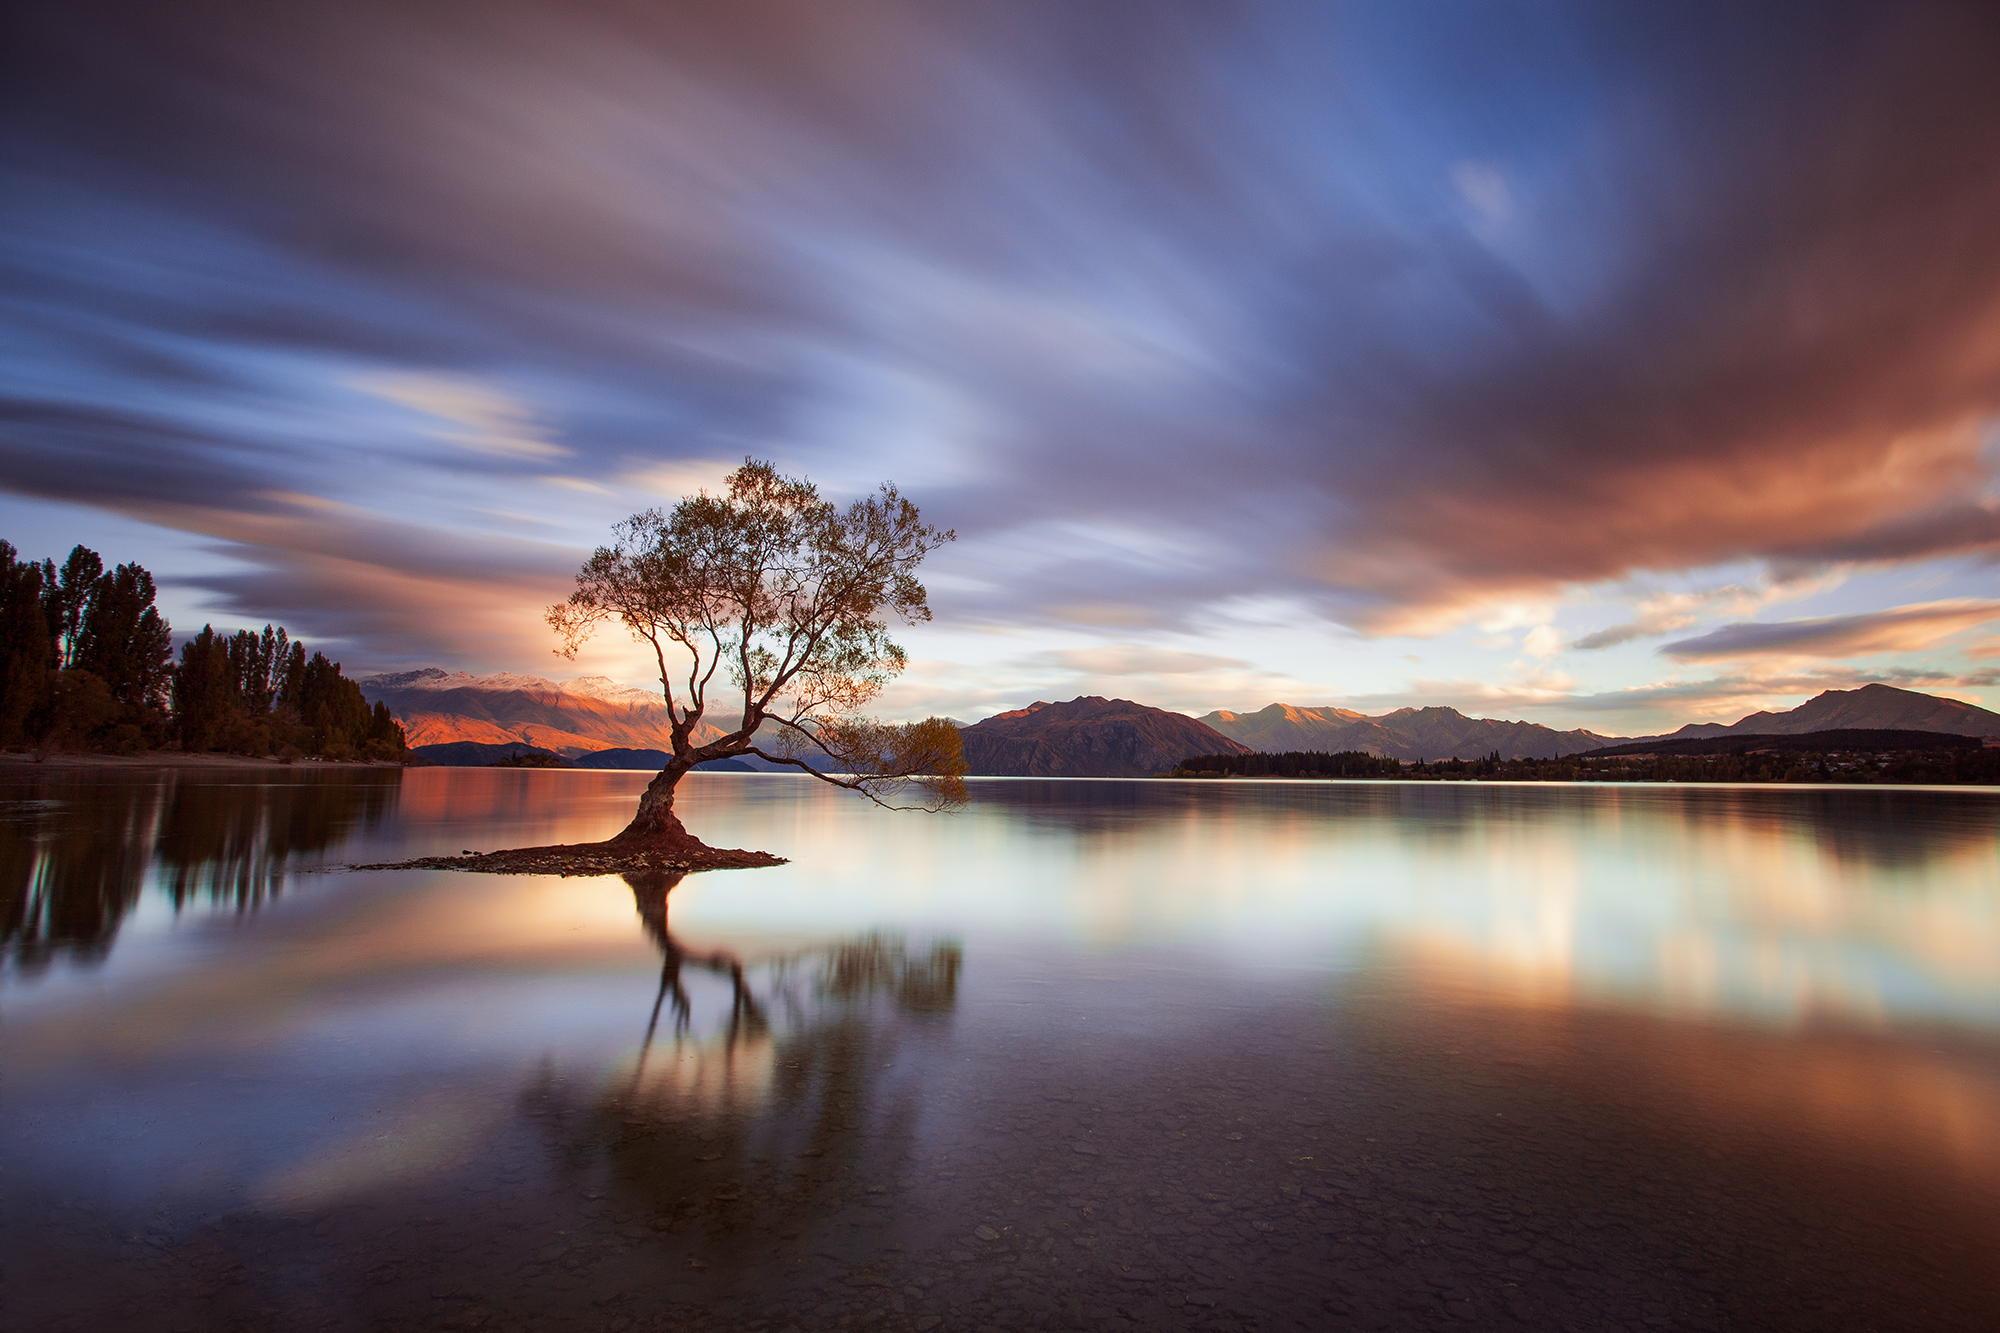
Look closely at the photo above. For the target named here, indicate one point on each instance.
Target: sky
(1596, 364)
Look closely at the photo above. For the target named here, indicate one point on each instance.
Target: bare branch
(862, 784)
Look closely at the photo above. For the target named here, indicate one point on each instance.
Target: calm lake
(1086, 1054)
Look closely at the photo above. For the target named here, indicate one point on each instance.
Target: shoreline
(16, 761)
(13, 760)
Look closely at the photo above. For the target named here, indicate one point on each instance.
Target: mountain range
(570, 717)
(1088, 737)
(1098, 737)
(1869, 740)
(1407, 733)
(1880, 707)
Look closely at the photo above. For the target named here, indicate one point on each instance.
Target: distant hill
(1844, 740)
(1407, 733)
(1878, 707)
(569, 717)
(474, 754)
(1280, 727)
(651, 761)
(597, 723)
(1088, 737)
(1871, 707)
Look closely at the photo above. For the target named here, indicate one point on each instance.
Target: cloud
(1899, 629)
(1186, 680)
(1334, 315)
(1614, 635)
(467, 413)
(1485, 190)
(680, 478)
(109, 456)
(1131, 659)
(1662, 613)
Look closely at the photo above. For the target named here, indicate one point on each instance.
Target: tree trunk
(655, 821)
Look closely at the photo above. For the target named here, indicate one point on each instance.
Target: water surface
(1085, 1054)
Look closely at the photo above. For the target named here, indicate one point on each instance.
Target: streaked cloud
(1121, 659)
(1898, 629)
(678, 478)
(467, 414)
(1664, 612)
(1409, 321)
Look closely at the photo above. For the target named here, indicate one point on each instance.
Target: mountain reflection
(754, 1098)
(77, 854)
(1857, 826)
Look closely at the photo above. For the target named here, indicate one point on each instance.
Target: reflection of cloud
(1803, 938)
(1899, 629)
(1858, 1100)
(392, 1149)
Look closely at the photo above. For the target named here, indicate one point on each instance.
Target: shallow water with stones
(1086, 1054)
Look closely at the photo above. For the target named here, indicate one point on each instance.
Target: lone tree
(766, 609)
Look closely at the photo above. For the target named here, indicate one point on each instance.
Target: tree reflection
(767, 1096)
(229, 844)
(76, 853)
(69, 872)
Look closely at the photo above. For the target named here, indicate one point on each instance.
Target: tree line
(1289, 764)
(87, 664)
(1954, 765)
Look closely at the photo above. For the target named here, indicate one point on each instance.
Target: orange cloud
(1899, 629)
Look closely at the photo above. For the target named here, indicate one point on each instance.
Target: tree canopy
(767, 611)
(86, 659)
(250, 693)
(86, 663)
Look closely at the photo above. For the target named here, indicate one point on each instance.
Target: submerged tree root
(592, 858)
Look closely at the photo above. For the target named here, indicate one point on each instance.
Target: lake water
(1086, 1054)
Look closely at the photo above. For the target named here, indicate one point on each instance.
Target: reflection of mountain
(651, 761)
(475, 754)
(1858, 825)
(75, 852)
(747, 1104)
